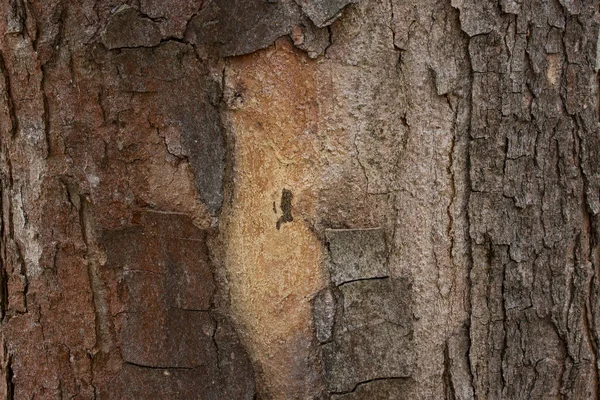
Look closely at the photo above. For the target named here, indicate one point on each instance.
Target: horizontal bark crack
(359, 384)
(160, 367)
(374, 278)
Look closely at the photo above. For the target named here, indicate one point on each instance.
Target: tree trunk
(300, 199)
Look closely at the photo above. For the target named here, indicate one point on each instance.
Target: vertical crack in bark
(94, 262)
(591, 336)
(7, 360)
(503, 355)
(8, 98)
(466, 209)
(3, 259)
(46, 112)
(90, 359)
(588, 235)
(10, 387)
(451, 230)
(362, 167)
(216, 343)
(22, 272)
(8, 242)
(449, 392)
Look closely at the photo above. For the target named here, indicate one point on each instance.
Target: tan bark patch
(554, 69)
(274, 272)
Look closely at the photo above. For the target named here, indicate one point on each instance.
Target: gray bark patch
(323, 12)
(364, 321)
(356, 254)
(244, 26)
(128, 28)
(204, 145)
(372, 336)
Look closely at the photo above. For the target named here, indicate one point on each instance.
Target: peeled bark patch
(273, 273)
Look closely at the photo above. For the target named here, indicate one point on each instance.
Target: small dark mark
(286, 208)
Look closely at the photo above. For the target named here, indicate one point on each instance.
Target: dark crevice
(46, 113)
(102, 322)
(160, 367)
(503, 350)
(154, 46)
(3, 272)
(363, 383)
(8, 233)
(10, 385)
(375, 278)
(216, 344)
(467, 215)
(330, 38)
(449, 392)
(22, 271)
(14, 122)
(148, 17)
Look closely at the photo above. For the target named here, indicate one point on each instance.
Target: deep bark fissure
(448, 385)
(364, 383)
(165, 367)
(46, 112)
(8, 97)
(10, 395)
(104, 341)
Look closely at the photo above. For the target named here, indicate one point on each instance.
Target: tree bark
(300, 199)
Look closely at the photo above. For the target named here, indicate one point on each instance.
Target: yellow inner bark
(273, 273)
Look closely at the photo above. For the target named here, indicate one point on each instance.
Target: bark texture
(300, 199)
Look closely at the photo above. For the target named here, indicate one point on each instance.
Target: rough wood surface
(300, 199)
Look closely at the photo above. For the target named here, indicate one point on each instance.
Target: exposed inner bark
(274, 268)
